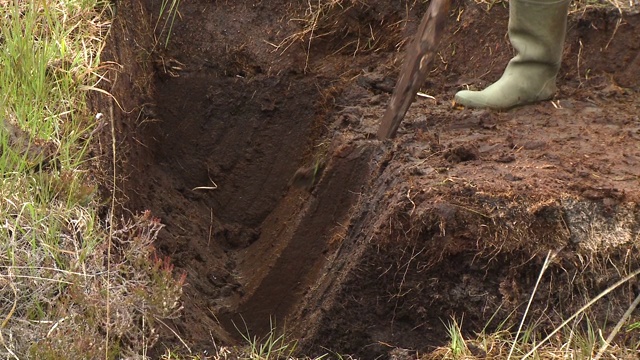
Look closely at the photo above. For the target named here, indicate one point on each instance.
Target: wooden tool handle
(415, 68)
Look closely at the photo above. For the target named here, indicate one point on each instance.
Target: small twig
(579, 56)
(55, 326)
(472, 211)
(111, 233)
(421, 94)
(210, 229)
(37, 278)
(66, 272)
(9, 316)
(614, 30)
(411, 201)
(176, 334)
(215, 186)
(13, 309)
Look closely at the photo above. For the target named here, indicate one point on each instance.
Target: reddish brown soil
(391, 239)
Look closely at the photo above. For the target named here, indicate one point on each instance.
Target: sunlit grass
(52, 243)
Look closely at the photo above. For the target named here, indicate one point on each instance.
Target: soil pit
(257, 150)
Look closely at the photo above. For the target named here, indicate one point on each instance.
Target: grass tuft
(169, 11)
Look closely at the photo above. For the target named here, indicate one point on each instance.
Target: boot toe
(471, 99)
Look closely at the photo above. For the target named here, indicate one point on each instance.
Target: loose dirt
(256, 147)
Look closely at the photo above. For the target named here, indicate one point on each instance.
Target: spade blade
(415, 68)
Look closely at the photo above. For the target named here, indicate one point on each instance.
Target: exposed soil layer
(258, 152)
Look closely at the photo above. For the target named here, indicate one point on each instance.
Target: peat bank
(251, 135)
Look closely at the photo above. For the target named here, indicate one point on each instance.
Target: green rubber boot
(536, 29)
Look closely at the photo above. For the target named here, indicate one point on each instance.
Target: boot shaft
(537, 29)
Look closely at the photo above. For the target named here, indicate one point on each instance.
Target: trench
(285, 212)
(248, 148)
(225, 132)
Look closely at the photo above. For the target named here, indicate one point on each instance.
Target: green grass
(53, 246)
(577, 337)
(270, 347)
(581, 341)
(457, 345)
(168, 11)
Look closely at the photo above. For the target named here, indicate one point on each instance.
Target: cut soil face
(283, 208)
